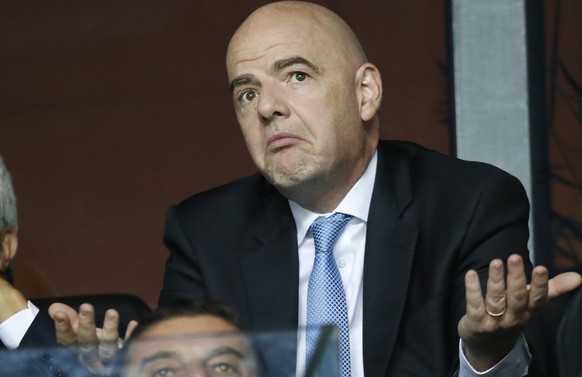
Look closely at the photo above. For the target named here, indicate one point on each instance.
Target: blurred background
(112, 110)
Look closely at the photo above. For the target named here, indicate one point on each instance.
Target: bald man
(425, 229)
(427, 241)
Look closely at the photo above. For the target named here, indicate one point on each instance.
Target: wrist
(485, 357)
(11, 301)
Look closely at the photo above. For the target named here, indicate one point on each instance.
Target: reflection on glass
(171, 354)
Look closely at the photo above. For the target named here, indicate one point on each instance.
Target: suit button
(47, 359)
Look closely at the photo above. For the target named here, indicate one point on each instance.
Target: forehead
(268, 40)
(189, 325)
(187, 346)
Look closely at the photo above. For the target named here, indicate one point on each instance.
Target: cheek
(253, 137)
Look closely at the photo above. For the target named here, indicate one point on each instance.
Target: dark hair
(185, 308)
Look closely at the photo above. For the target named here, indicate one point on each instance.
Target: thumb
(130, 327)
(563, 283)
(58, 307)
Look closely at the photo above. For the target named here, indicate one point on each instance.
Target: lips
(282, 140)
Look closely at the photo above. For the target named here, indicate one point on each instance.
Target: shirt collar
(355, 203)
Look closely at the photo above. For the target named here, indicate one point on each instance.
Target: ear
(369, 90)
(8, 244)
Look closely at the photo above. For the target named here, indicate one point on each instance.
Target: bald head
(306, 100)
(286, 21)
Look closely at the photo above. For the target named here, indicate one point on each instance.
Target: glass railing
(264, 354)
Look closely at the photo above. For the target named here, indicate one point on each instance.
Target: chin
(284, 181)
(292, 172)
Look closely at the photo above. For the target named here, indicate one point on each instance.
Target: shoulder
(232, 204)
(253, 187)
(430, 167)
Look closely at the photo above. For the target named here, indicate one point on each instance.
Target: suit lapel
(390, 245)
(270, 266)
(270, 263)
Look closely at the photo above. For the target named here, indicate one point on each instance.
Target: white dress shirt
(13, 329)
(349, 255)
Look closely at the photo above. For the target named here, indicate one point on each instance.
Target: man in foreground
(189, 338)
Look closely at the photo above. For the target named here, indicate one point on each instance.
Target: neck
(323, 194)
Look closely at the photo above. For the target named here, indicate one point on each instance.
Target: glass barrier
(264, 354)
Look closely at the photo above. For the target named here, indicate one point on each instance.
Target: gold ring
(495, 314)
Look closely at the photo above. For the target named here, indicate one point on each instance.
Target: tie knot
(326, 231)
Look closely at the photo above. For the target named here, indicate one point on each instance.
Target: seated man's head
(189, 338)
(8, 223)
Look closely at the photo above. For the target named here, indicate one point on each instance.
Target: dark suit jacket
(569, 338)
(39, 355)
(432, 218)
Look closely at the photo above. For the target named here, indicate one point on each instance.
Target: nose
(198, 371)
(272, 103)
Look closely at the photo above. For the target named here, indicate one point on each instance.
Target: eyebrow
(278, 66)
(219, 351)
(294, 60)
(241, 80)
(158, 355)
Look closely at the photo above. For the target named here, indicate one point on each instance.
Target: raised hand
(492, 324)
(96, 347)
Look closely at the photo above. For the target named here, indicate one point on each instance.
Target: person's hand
(491, 326)
(96, 347)
(11, 300)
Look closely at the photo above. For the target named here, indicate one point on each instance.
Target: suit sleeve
(498, 229)
(39, 355)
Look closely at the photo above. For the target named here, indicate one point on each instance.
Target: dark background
(112, 110)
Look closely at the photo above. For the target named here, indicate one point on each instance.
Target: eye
(298, 76)
(164, 372)
(247, 96)
(219, 369)
(163, 368)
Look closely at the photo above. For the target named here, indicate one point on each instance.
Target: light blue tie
(326, 298)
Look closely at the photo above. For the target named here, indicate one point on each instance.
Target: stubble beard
(307, 181)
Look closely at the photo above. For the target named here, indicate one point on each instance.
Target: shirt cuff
(14, 328)
(516, 363)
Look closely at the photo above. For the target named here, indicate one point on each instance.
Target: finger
(72, 315)
(110, 331)
(130, 327)
(87, 328)
(65, 334)
(474, 297)
(516, 292)
(87, 339)
(538, 290)
(495, 300)
(563, 283)
(108, 336)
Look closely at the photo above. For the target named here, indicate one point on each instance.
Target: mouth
(282, 140)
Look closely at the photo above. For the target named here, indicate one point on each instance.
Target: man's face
(294, 95)
(202, 346)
